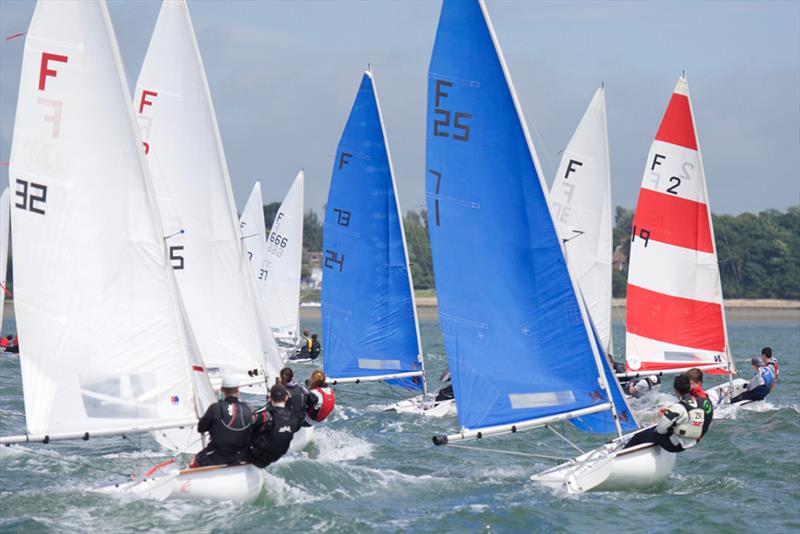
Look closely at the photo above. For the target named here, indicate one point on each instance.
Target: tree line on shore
(759, 253)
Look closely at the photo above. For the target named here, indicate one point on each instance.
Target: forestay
(675, 317)
(104, 343)
(519, 344)
(368, 317)
(184, 152)
(4, 220)
(581, 200)
(276, 257)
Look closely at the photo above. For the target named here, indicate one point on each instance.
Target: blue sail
(518, 342)
(368, 317)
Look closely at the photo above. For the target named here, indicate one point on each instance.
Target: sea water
(371, 470)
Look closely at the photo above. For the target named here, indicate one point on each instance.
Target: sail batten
(513, 324)
(368, 316)
(89, 252)
(675, 313)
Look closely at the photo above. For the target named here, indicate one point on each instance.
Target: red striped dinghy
(675, 318)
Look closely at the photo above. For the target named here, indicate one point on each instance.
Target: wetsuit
(316, 348)
(446, 393)
(305, 350)
(298, 403)
(229, 423)
(272, 436)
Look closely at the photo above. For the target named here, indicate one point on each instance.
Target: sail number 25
(30, 196)
(449, 123)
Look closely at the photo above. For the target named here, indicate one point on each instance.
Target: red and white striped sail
(675, 315)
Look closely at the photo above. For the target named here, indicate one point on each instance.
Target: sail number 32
(31, 196)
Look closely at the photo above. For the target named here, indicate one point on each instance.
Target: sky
(283, 76)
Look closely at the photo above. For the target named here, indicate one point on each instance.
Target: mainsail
(675, 314)
(184, 152)
(4, 220)
(276, 257)
(369, 321)
(104, 343)
(519, 342)
(581, 201)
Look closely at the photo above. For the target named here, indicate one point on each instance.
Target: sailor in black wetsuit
(229, 424)
(298, 398)
(273, 429)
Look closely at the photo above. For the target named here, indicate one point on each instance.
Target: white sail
(184, 152)
(276, 257)
(581, 201)
(4, 220)
(104, 346)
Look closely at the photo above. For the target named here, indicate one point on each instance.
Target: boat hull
(611, 468)
(240, 483)
(722, 394)
(417, 405)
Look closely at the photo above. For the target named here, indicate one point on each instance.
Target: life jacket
(694, 427)
(773, 365)
(767, 374)
(701, 398)
(271, 443)
(326, 402)
(4, 342)
(315, 349)
(231, 426)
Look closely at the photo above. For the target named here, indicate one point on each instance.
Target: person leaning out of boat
(637, 387)
(229, 424)
(679, 426)
(772, 363)
(272, 432)
(321, 400)
(298, 398)
(696, 383)
(761, 383)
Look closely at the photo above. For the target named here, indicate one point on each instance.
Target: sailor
(761, 383)
(696, 382)
(316, 347)
(445, 393)
(772, 363)
(321, 400)
(5, 342)
(304, 349)
(680, 426)
(637, 387)
(229, 424)
(298, 398)
(13, 347)
(273, 433)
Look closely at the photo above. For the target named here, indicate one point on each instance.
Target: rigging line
(72, 462)
(396, 394)
(513, 453)
(554, 431)
(530, 121)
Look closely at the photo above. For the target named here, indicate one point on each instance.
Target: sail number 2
(448, 123)
(31, 196)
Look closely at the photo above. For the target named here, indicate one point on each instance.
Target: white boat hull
(418, 406)
(721, 395)
(611, 468)
(240, 483)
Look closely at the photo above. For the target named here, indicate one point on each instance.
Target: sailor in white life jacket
(637, 387)
(321, 399)
(680, 426)
(761, 383)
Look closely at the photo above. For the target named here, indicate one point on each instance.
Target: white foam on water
(284, 494)
(340, 445)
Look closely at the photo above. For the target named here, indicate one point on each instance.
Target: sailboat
(276, 259)
(5, 219)
(369, 320)
(675, 312)
(90, 256)
(521, 347)
(581, 200)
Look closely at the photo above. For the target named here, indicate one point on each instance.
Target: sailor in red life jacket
(772, 363)
(321, 400)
